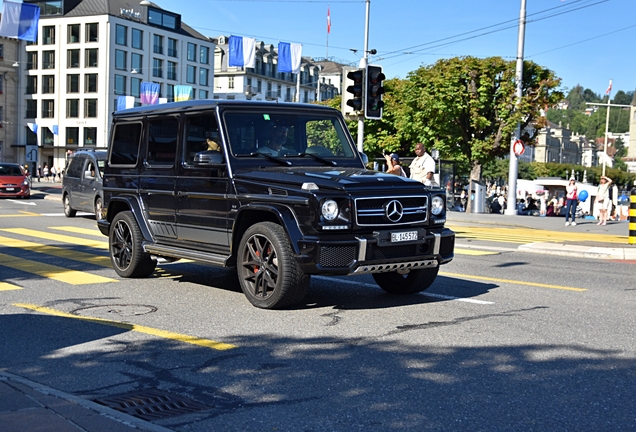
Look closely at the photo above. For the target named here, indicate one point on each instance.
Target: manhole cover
(115, 310)
(152, 404)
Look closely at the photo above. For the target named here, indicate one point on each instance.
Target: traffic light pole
(364, 61)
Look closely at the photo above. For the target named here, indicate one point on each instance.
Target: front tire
(126, 253)
(68, 210)
(409, 283)
(268, 273)
(98, 208)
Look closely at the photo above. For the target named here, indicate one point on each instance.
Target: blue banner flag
(20, 21)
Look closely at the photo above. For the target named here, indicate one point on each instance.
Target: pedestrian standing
(543, 209)
(39, 172)
(603, 199)
(53, 174)
(571, 202)
(45, 173)
(393, 165)
(422, 164)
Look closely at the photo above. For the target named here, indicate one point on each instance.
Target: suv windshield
(287, 135)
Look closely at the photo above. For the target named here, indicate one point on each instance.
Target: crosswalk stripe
(529, 235)
(73, 277)
(207, 343)
(6, 286)
(43, 235)
(473, 252)
(56, 251)
(91, 232)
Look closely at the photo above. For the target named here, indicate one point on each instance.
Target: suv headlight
(330, 210)
(437, 205)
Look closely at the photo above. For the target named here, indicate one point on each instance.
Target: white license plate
(403, 236)
(9, 189)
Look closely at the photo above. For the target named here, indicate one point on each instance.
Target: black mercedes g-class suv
(277, 191)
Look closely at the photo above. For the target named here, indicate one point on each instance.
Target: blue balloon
(583, 195)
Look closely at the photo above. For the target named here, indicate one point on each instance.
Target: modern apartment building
(90, 52)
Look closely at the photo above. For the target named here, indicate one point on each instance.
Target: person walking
(422, 164)
(603, 199)
(39, 172)
(571, 202)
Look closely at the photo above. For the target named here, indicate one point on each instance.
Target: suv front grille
(382, 211)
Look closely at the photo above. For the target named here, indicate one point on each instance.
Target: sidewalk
(595, 244)
(28, 406)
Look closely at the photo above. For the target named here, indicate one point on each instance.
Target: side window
(89, 171)
(125, 145)
(75, 167)
(201, 134)
(162, 141)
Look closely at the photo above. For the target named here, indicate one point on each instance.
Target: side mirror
(365, 158)
(208, 158)
(88, 174)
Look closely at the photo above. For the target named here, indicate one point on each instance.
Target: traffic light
(373, 95)
(353, 92)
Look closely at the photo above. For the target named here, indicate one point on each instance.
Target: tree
(467, 107)
(623, 98)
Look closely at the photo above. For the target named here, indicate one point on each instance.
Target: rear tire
(98, 208)
(268, 273)
(68, 211)
(410, 283)
(126, 253)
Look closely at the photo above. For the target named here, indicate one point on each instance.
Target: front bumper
(15, 191)
(374, 253)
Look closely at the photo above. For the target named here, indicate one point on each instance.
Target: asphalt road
(503, 340)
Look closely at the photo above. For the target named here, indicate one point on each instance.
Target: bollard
(632, 217)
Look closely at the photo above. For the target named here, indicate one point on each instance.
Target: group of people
(50, 175)
(422, 168)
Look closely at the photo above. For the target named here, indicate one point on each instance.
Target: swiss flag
(328, 21)
(609, 89)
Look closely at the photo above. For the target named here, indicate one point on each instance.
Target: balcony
(250, 90)
(271, 95)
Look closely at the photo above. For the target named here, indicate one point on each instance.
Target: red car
(14, 181)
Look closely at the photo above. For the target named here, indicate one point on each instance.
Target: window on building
(121, 35)
(73, 58)
(48, 35)
(120, 85)
(90, 135)
(172, 47)
(72, 108)
(90, 57)
(191, 74)
(230, 82)
(161, 18)
(204, 55)
(204, 77)
(135, 87)
(120, 59)
(48, 84)
(48, 139)
(171, 73)
(1, 50)
(259, 86)
(48, 108)
(157, 68)
(73, 33)
(278, 91)
(192, 52)
(90, 83)
(157, 46)
(48, 59)
(90, 108)
(32, 60)
(306, 97)
(31, 109)
(203, 94)
(136, 61)
(72, 83)
(137, 39)
(31, 84)
(92, 32)
(72, 136)
(288, 95)
(170, 92)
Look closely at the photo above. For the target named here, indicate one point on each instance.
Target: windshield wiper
(272, 158)
(319, 158)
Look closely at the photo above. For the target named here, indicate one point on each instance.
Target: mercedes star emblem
(393, 210)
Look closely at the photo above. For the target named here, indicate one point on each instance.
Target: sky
(586, 42)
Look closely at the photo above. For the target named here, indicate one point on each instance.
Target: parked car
(277, 191)
(82, 186)
(14, 181)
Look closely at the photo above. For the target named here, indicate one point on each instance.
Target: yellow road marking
(510, 281)
(43, 235)
(473, 252)
(92, 232)
(18, 215)
(6, 286)
(73, 277)
(207, 343)
(56, 251)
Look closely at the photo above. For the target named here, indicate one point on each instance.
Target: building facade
(555, 143)
(630, 160)
(263, 81)
(8, 100)
(90, 52)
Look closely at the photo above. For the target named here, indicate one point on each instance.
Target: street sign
(31, 153)
(518, 147)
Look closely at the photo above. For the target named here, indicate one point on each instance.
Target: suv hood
(329, 178)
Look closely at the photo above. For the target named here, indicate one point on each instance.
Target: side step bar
(172, 252)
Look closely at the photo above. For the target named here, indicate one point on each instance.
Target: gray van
(82, 187)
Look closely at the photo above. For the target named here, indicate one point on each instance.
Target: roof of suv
(211, 104)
